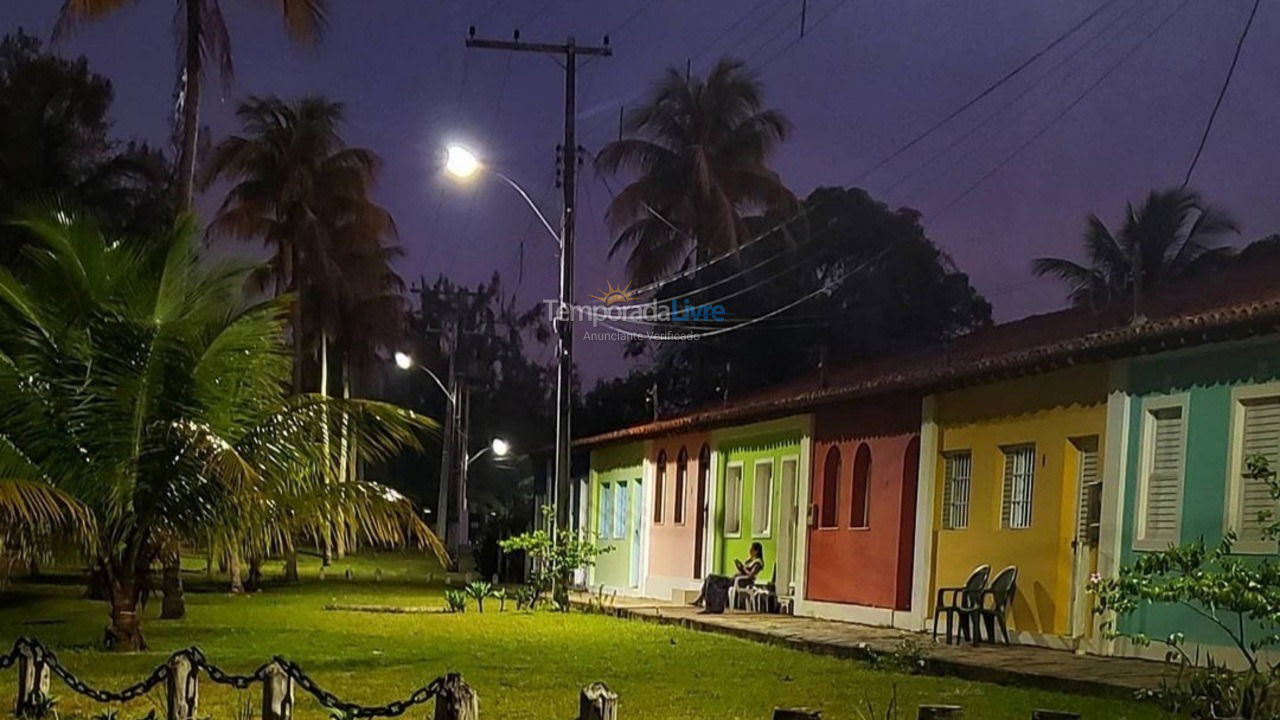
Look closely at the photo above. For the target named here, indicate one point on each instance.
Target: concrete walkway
(1013, 665)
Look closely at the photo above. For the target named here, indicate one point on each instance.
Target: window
(660, 488)
(762, 507)
(830, 489)
(859, 504)
(1019, 486)
(733, 500)
(606, 511)
(620, 515)
(1160, 482)
(682, 478)
(1253, 508)
(955, 501)
(1089, 513)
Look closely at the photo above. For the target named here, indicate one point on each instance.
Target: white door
(788, 521)
(1084, 544)
(636, 523)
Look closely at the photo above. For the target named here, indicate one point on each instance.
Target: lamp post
(463, 164)
(404, 361)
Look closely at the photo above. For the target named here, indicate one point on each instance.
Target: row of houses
(1064, 444)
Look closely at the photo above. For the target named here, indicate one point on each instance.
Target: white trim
(860, 614)
(797, 535)
(709, 528)
(1115, 464)
(755, 492)
(1228, 655)
(665, 587)
(1146, 448)
(922, 571)
(1235, 466)
(804, 481)
(742, 485)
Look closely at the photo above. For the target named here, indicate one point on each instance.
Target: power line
(1235, 59)
(778, 53)
(1061, 114)
(985, 92)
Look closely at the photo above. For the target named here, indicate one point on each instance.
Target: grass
(522, 665)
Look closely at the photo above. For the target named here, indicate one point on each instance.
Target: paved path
(1014, 664)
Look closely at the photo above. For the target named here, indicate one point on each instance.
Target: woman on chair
(714, 597)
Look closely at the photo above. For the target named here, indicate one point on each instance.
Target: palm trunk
(233, 571)
(174, 605)
(208, 560)
(344, 430)
(326, 523)
(193, 71)
(254, 583)
(291, 563)
(125, 632)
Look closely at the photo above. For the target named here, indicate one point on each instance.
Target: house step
(684, 597)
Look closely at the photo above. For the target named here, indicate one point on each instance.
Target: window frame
(1233, 514)
(1006, 512)
(605, 528)
(621, 520)
(822, 501)
(730, 466)
(866, 488)
(1146, 459)
(948, 492)
(660, 489)
(680, 513)
(755, 497)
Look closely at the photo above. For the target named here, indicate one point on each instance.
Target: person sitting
(714, 597)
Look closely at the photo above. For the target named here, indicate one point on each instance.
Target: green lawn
(522, 665)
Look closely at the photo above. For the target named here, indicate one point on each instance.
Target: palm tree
(201, 35)
(1173, 234)
(699, 149)
(305, 194)
(140, 382)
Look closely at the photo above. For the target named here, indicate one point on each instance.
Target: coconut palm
(142, 383)
(201, 36)
(699, 151)
(1174, 233)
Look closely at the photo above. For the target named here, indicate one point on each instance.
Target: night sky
(866, 78)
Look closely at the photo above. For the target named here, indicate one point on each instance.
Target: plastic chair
(1000, 593)
(960, 602)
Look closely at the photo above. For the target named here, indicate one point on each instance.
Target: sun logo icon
(615, 295)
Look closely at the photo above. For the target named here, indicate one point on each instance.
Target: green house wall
(617, 466)
(1207, 377)
(771, 443)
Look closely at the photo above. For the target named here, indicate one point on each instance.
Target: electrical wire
(985, 91)
(1235, 59)
(796, 40)
(1061, 114)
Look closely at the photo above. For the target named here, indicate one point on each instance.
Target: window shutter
(1164, 484)
(1261, 437)
(1090, 512)
(606, 510)
(955, 501)
(948, 493)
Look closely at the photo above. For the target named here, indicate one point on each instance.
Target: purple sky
(867, 77)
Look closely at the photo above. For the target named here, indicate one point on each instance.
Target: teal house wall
(617, 472)
(1205, 379)
(748, 446)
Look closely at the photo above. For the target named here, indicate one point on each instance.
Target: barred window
(1019, 486)
(955, 503)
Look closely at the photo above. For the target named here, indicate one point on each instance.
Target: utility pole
(564, 323)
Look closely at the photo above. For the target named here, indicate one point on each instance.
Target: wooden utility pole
(569, 51)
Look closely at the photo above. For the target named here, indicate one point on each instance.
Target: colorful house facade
(617, 517)
(862, 506)
(682, 482)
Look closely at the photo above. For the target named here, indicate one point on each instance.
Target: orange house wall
(672, 544)
(866, 566)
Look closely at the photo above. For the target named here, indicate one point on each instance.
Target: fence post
(796, 714)
(33, 680)
(597, 702)
(456, 701)
(277, 693)
(939, 712)
(1053, 715)
(182, 688)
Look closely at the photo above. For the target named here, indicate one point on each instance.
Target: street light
(497, 446)
(463, 164)
(405, 361)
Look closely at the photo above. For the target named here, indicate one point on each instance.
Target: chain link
(216, 674)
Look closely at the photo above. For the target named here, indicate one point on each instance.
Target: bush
(455, 601)
(479, 590)
(554, 560)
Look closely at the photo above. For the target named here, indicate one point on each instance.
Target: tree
(201, 35)
(1172, 235)
(699, 149)
(142, 382)
(56, 144)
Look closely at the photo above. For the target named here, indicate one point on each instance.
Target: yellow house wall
(1047, 410)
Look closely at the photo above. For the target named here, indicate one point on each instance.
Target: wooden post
(182, 688)
(597, 702)
(1053, 715)
(938, 712)
(456, 701)
(277, 694)
(33, 681)
(796, 714)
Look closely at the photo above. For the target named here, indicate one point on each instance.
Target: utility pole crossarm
(516, 45)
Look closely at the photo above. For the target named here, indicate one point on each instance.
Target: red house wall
(869, 565)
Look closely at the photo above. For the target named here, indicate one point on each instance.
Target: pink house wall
(868, 565)
(672, 544)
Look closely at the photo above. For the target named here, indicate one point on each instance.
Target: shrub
(554, 559)
(479, 590)
(455, 601)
